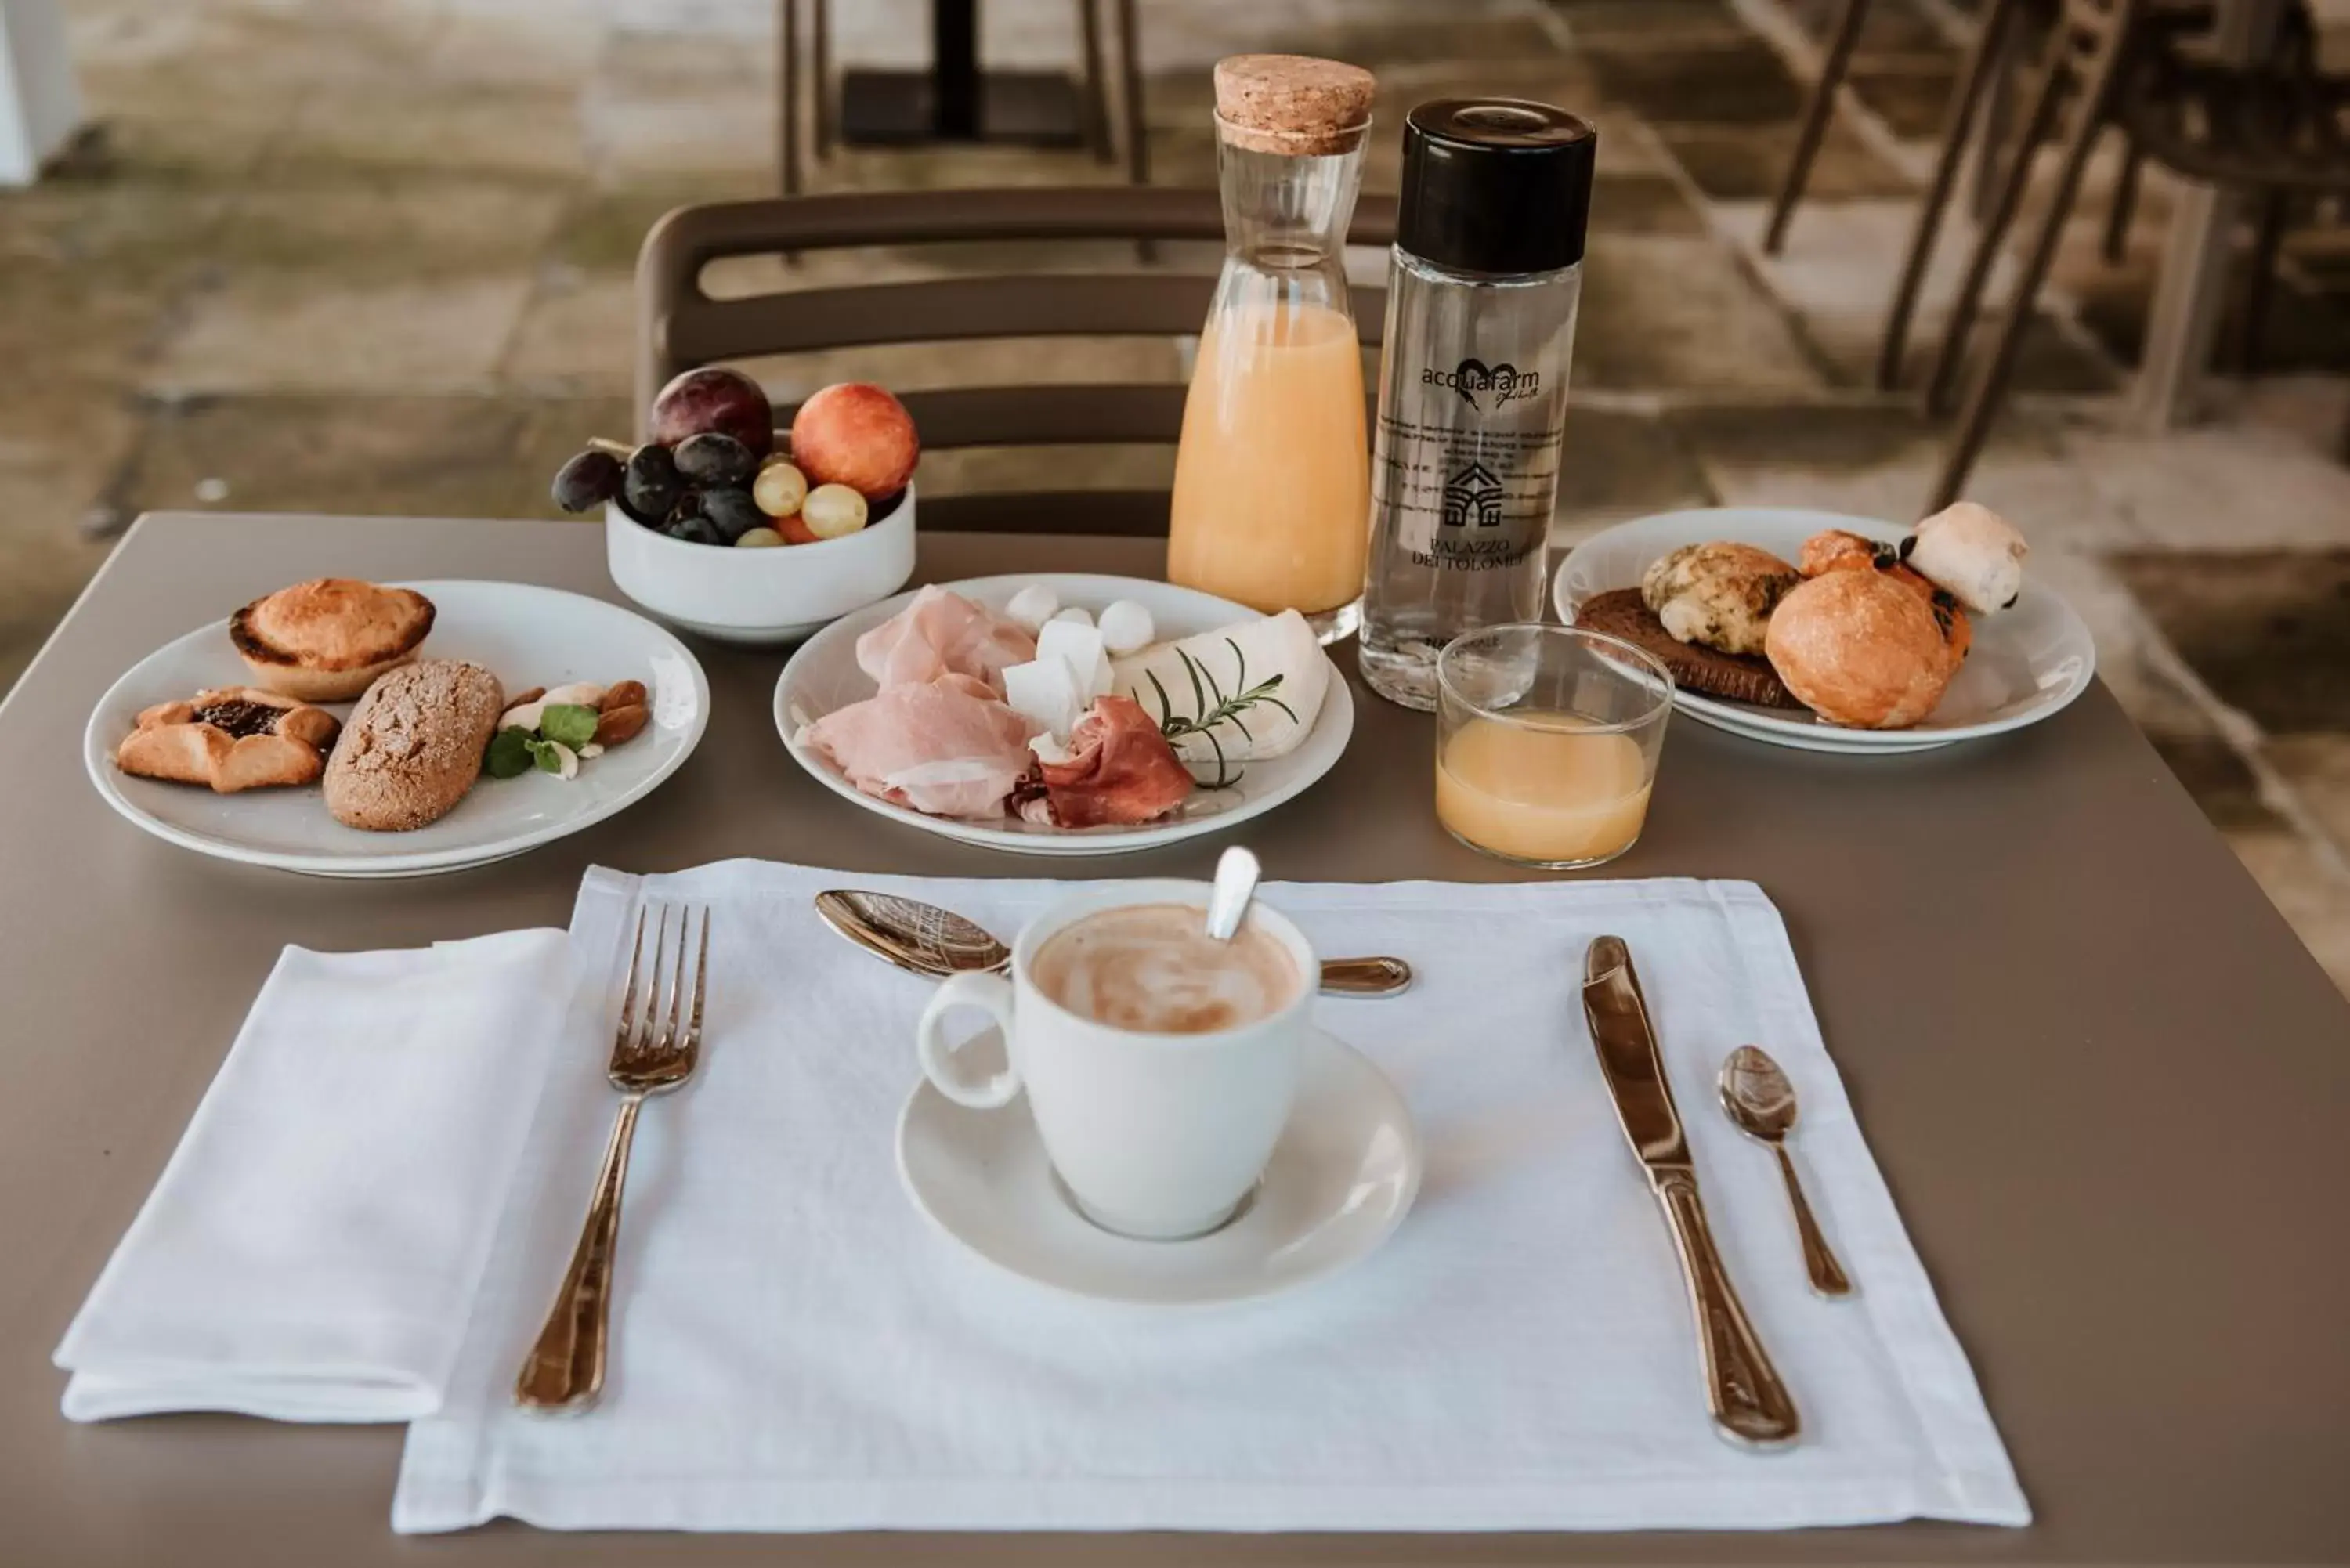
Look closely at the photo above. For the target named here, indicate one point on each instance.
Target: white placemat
(796, 1351)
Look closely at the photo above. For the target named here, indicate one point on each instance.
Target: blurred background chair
(681, 324)
(816, 87)
(2004, 163)
(2268, 131)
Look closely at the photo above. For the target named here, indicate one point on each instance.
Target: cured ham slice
(945, 746)
(943, 634)
(1120, 770)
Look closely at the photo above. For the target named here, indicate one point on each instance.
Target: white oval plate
(527, 635)
(2028, 660)
(823, 675)
(1340, 1181)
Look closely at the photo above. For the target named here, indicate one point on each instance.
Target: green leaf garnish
(509, 755)
(1222, 711)
(568, 722)
(544, 753)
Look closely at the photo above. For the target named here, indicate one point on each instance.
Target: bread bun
(1859, 648)
(1834, 550)
(414, 745)
(1973, 553)
(1717, 595)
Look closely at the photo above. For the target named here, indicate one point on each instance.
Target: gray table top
(2105, 1082)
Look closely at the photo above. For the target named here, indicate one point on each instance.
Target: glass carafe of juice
(1272, 503)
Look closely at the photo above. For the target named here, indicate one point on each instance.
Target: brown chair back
(680, 326)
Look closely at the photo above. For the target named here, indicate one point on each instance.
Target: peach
(857, 434)
(795, 530)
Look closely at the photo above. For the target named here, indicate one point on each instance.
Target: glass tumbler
(1546, 742)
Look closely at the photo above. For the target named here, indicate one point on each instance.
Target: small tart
(235, 737)
(326, 641)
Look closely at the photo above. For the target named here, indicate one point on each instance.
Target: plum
(714, 400)
(857, 434)
(732, 510)
(591, 478)
(714, 458)
(650, 486)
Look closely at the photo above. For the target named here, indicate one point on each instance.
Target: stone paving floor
(373, 255)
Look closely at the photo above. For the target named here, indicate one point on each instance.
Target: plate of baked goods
(348, 728)
(1065, 713)
(1835, 633)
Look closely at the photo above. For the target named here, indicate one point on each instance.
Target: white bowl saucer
(1339, 1182)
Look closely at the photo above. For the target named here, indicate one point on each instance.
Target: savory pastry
(232, 738)
(1972, 553)
(1119, 772)
(1693, 666)
(414, 745)
(325, 641)
(1717, 595)
(1859, 648)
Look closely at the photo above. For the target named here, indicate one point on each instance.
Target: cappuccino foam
(1153, 967)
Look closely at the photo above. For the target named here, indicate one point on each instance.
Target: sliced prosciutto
(1119, 772)
(943, 634)
(945, 746)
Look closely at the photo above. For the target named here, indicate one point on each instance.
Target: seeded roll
(414, 745)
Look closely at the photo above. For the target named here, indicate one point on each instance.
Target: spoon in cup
(1236, 877)
(925, 940)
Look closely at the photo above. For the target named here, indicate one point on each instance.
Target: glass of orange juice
(1546, 742)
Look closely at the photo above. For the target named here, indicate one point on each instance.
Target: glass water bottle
(1482, 290)
(1272, 500)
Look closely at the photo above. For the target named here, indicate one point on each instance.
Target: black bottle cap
(1496, 184)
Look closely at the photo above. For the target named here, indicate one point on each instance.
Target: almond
(615, 725)
(626, 694)
(519, 698)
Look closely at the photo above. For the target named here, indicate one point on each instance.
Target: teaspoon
(926, 940)
(1760, 1099)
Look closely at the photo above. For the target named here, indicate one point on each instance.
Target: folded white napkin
(797, 1350)
(312, 1250)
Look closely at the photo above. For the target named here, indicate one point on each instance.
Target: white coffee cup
(1155, 1136)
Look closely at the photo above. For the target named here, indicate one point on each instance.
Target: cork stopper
(1292, 104)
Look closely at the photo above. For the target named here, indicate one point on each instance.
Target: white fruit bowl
(759, 597)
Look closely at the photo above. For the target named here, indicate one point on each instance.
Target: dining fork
(650, 1054)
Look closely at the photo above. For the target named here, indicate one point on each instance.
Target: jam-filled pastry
(327, 641)
(233, 738)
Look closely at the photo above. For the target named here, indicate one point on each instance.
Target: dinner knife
(1749, 1402)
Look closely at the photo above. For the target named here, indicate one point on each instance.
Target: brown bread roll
(1859, 648)
(414, 745)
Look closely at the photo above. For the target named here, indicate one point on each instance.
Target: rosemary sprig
(1211, 715)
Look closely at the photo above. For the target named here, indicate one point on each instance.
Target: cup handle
(991, 995)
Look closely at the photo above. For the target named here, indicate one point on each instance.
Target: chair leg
(1129, 72)
(788, 95)
(2260, 285)
(1096, 94)
(1991, 378)
(1988, 243)
(1964, 103)
(2124, 207)
(1833, 71)
(820, 80)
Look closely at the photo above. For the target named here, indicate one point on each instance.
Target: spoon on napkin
(925, 940)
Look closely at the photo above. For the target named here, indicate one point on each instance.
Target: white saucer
(1340, 1181)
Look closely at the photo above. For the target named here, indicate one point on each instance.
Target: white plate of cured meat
(825, 677)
